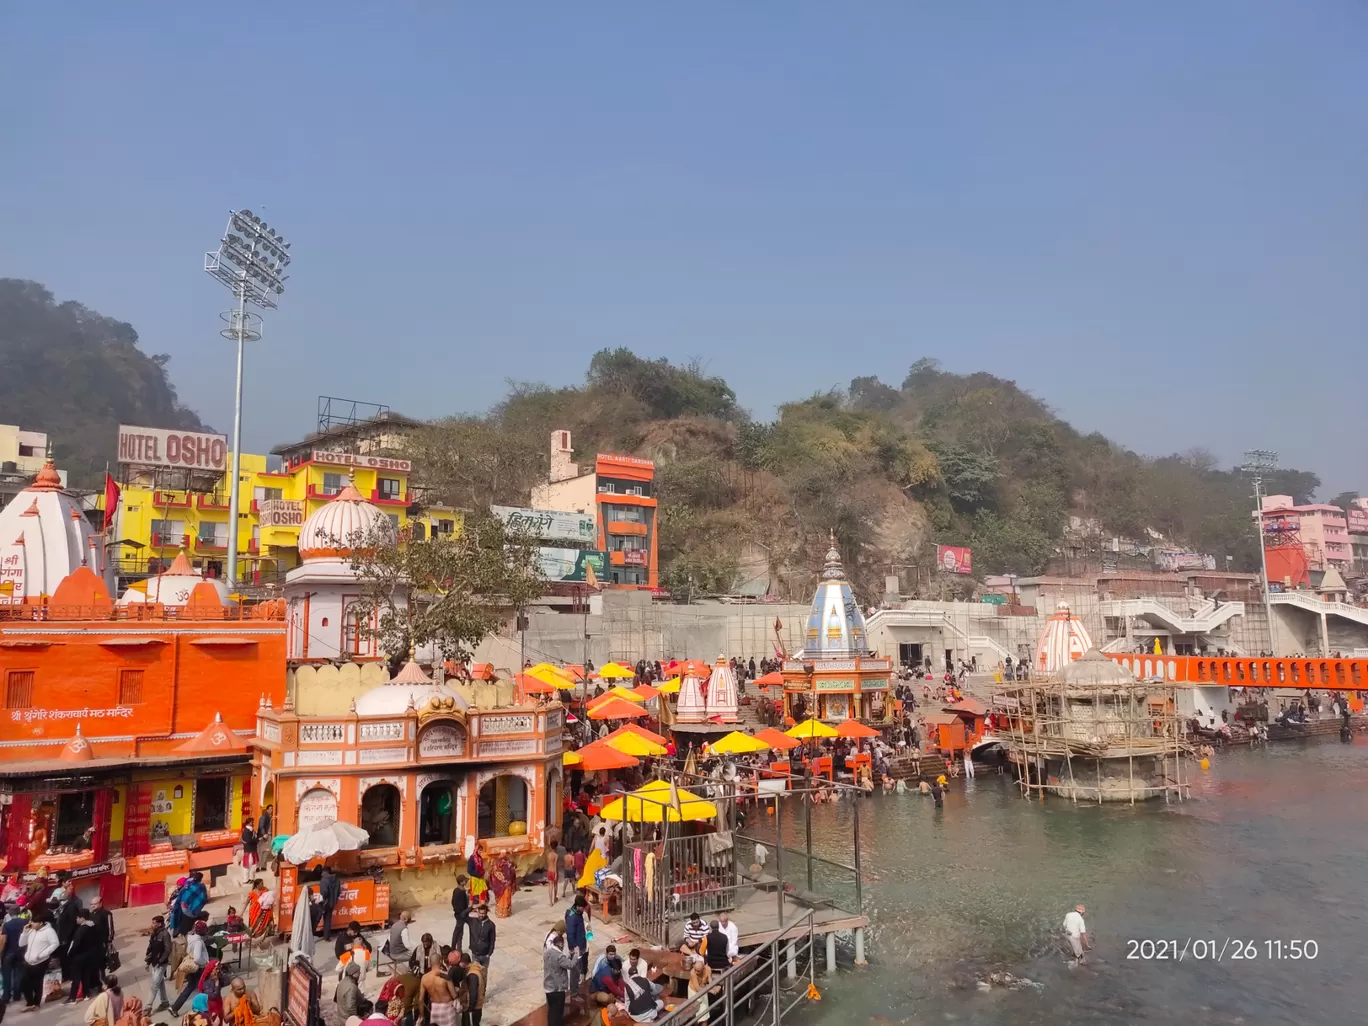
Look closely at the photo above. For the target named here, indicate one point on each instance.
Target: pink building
(1324, 530)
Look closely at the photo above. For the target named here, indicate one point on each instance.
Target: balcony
(628, 527)
(170, 541)
(212, 501)
(390, 500)
(181, 499)
(254, 545)
(316, 491)
(211, 545)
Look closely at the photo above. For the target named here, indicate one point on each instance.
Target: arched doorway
(380, 807)
(439, 820)
(554, 803)
(503, 801)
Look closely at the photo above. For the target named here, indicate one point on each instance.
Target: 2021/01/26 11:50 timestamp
(1215, 949)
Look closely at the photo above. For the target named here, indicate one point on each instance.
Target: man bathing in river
(1077, 932)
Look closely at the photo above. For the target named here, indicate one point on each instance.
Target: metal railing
(766, 985)
(678, 876)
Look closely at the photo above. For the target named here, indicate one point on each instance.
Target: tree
(451, 590)
(1344, 500)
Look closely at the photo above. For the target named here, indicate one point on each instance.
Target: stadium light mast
(250, 260)
(1257, 463)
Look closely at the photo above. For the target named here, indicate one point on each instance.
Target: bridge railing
(1245, 671)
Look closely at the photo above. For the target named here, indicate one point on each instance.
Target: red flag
(112, 492)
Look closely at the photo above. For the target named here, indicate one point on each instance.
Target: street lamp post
(250, 260)
(1259, 462)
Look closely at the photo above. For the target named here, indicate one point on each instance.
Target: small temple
(836, 676)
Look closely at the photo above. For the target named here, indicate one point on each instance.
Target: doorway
(909, 654)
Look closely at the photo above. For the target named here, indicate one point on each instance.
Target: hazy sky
(1153, 216)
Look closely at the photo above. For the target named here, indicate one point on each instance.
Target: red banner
(955, 559)
(111, 501)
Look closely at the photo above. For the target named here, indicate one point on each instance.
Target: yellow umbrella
(634, 744)
(811, 728)
(627, 693)
(612, 671)
(550, 675)
(670, 687)
(571, 759)
(651, 804)
(737, 743)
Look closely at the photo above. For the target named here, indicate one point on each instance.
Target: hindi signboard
(955, 559)
(158, 447)
(548, 524)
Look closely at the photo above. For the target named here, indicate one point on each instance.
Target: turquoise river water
(1272, 847)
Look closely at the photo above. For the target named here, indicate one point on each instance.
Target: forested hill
(77, 375)
(893, 469)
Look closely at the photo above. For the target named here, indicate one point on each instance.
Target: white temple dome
(44, 536)
(409, 687)
(1063, 640)
(835, 625)
(173, 586)
(332, 530)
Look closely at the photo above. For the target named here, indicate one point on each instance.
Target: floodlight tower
(1257, 463)
(250, 260)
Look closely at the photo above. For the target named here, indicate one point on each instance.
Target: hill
(894, 471)
(77, 375)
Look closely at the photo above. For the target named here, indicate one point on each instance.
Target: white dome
(332, 530)
(43, 537)
(1063, 640)
(835, 625)
(410, 686)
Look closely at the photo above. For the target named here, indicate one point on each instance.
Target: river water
(1273, 846)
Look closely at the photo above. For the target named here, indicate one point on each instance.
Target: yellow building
(154, 522)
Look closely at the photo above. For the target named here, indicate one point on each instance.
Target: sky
(1154, 217)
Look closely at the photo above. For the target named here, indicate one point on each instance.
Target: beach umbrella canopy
(533, 685)
(570, 759)
(777, 739)
(616, 709)
(634, 744)
(626, 694)
(574, 671)
(551, 676)
(322, 840)
(772, 679)
(737, 743)
(854, 728)
(809, 729)
(597, 757)
(670, 687)
(695, 668)
(640, 731)
(652, 804)
(644, 692)
(612, 671)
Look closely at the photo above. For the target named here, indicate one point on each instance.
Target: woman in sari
(503, 881)
(260, 907)
(475, 869)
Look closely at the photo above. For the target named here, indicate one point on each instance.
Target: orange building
(620, 492)
(122, 739)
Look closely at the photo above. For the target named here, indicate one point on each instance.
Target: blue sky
(1153, 216)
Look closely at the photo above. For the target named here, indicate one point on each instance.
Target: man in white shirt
(733, 933)
(1077, 932)
(39, 943)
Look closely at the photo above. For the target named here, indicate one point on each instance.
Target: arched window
(380, 815)
(439, 814)
(316, 806)
(503, 803)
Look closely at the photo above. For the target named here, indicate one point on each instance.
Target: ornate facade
(836, 677)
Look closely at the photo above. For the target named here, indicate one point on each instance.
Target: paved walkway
(515, 972)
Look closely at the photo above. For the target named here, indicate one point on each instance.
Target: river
(1272, 846)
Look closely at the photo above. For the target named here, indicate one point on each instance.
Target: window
(626, 514)
(29, 450)
(75, 821)
(19, 689)
(627, 543)
(332, 484)
(391, 488)
(267, 494)
(212, 534)
(380, 815)
(130, 687)
(168, 532)
(446, 526)
(211, 803)
(503, 801)
(394, 522)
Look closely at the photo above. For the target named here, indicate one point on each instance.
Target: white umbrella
(323, 839)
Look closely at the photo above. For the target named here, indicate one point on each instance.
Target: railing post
(807, 817)
(730, 1014)
(859, 884)
(774, 973)
(779, 855)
